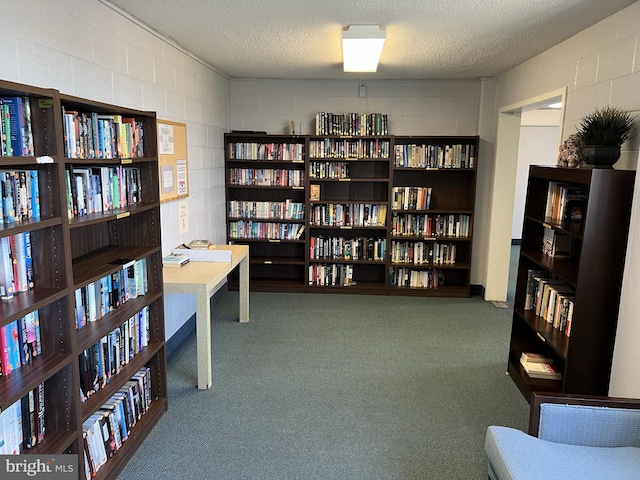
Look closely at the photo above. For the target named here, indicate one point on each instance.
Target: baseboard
(189, 326)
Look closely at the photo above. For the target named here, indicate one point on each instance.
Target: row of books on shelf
(16, 265)
(249, 229)
(94, 135)
(422, 225)
(435, 156)
(566, 202)
(550, 299)
(16, 133)
(348, 215)
(375, 148)
(353, 124)
(287, 210)
(287, 152)
(20, 342)
(101, 189)
(22, 424)
(411, 198)
(331, 275)
(412, 278)
(340, 248)
(105, 359)
(106, 431)
(423, 253)
(329, 170)
(556, 244)
(95, 299)
(266, 177)
(539, 366)
(20, 195)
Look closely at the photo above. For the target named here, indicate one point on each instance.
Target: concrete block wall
(413, 107)
(86, 49)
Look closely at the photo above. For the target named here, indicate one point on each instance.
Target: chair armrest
(538, 398)
(581, 420)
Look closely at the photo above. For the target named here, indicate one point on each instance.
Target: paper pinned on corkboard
(172, 160)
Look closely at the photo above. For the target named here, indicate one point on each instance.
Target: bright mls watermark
(51, 467)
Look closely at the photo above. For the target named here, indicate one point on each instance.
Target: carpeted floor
(338, 387)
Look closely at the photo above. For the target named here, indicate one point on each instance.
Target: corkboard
(172, 160)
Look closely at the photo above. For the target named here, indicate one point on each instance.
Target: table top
(203, 273)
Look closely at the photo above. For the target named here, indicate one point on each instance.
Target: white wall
(538, 145)
(599, 66)
(84, 48)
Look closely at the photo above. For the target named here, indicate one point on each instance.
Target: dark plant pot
(600, 157)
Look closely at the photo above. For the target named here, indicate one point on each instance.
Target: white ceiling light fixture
(362, 47)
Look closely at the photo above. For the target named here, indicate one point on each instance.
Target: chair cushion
(514, 455)
(590, 426)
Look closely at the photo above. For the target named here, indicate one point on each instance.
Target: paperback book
(175, 260)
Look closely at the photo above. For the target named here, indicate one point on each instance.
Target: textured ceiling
(426, 39)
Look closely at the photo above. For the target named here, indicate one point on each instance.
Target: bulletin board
(172, 160)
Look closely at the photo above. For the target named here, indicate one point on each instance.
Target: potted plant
(602, 132)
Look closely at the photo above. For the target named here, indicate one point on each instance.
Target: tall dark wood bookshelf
(265, 199)
(348, 213)
(344, 177)
(69, 252)
(593, 271)
(431, 242)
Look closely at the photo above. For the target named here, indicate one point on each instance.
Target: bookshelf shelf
(346, 174)
(68, 251)
(584, 356)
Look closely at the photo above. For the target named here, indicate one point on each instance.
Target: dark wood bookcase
(265, 198)
(347, 193)
(430, 250)
(68, 253)
(348, 213)
(593, 271)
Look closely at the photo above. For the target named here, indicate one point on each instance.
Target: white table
(200, 279)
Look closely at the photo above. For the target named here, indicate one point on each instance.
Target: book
(200, 244)
(314, 192)
(175, 260)
(541, 370)
(573, 202)
(556, 244)
(542, 288)
(533, 357)
(533, 277)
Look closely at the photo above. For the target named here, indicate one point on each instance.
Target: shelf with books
(348, 209)
(112, 211)
(432, 205)
(52, 252)
(266, 210)
(348, 214)
(35, 269)
(120, 423)
(351, 124)
(559, 311)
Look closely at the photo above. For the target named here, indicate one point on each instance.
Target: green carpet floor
(338, 387)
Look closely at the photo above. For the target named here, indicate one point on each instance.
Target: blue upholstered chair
(570, 438)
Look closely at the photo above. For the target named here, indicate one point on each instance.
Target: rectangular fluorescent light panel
(362, 47)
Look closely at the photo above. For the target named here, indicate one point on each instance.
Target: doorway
(507, 191)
